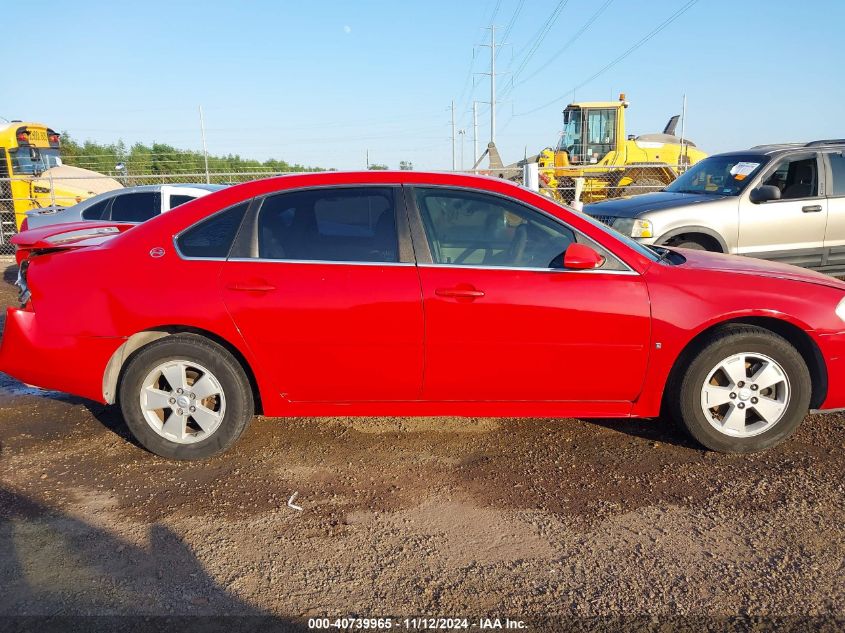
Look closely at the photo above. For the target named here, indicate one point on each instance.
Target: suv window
(213, 236)
(837, 166)
(342, 224)
(136, 207)
(475, 229)
(176, 200)
(796, 177)
(96, 211)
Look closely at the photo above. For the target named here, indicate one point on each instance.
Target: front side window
(837, 166)
(336, 224)
(465, 228)
(796, 177)
(726, 175)
(136, 207)
(213, 237)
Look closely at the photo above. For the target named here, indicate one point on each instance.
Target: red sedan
(410, 293)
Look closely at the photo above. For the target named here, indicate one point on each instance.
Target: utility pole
(492, 46)
(474, 132)
(453, 135)
(463, 134)
(204, 147)
(492, 83)
(684, 146)
(368, 159)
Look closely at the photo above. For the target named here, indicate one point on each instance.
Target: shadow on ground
(58, 566)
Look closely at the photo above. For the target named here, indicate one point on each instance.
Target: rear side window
(136, 207)
(343, 224)
(175, 201)
(213, 237)
(837, 166)
(96, 211)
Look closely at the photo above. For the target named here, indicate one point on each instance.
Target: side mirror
(764, 193)
(581, 257)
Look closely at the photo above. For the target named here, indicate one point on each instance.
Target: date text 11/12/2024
(416, 623)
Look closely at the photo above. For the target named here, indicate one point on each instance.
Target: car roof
(782, 148)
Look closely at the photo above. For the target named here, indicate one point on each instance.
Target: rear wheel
(747, 389)
(185, 397)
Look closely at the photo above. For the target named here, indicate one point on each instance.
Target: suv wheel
(747, 389)
(185, 397)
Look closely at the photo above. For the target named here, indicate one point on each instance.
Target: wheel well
(139, 340)
(797, 337)
(710, 243)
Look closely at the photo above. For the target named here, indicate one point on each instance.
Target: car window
(796, 177)
(96, 211)
(724, 175)
(136, 207)
(337, 224)
(466, 228)
(213, 236)
(176, 200)
(837, 166)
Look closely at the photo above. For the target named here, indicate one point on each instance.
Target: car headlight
(840, 309)
(634, 227)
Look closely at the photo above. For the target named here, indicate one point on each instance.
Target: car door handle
(251, 287)
(813, 208)
(460, 292)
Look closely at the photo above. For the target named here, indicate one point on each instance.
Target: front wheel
(185, 397)
(747, 389)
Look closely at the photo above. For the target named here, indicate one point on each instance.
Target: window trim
(249, 201)
(425, 260)
(247, 238)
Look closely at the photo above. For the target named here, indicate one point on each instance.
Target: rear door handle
(251, 287)
(813, 208)
(460, 292)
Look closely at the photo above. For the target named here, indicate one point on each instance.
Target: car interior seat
(801, 180)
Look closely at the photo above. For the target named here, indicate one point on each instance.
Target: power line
(538, 38)
(513, 20)
(569, 43)
(633, 48)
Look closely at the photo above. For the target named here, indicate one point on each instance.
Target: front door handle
(462, 291)
(813, 208)
(257, 286)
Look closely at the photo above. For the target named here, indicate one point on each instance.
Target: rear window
(837, 166)
(136, 207)
(175, 201)
(213, 237)
(96, 211)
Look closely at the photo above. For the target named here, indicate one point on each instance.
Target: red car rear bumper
(73, 364)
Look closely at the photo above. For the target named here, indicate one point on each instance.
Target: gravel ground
(528, 519)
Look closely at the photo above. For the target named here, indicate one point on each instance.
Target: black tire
(643, 185)
(684, 391)
(690, 243)
(239, 406)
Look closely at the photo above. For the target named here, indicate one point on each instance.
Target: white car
(129, 204)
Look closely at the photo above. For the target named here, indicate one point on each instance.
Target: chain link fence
(578, 186)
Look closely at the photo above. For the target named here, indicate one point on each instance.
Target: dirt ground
(529, 519)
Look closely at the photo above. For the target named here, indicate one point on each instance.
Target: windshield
(720, 175)
(588, 135)
(31, 161)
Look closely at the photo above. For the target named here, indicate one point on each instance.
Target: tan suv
(779, 202)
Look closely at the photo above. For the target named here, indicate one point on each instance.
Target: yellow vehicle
(595, 156)
(32, 175)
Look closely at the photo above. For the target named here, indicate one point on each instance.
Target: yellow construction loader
(596, 160)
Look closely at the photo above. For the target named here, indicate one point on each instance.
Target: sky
(333, 83)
